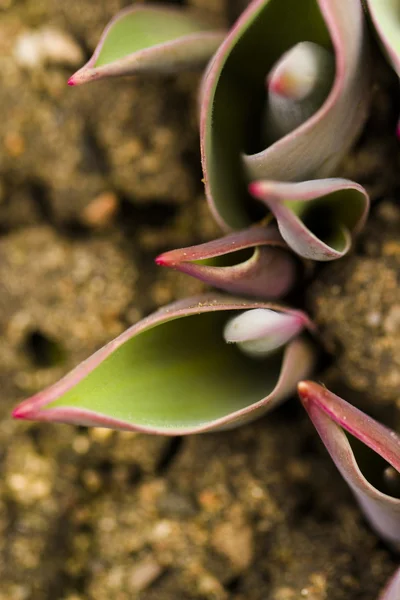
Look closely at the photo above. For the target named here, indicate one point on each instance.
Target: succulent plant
(283, 97)
(150, 38)
(288, 116)
(272, 128)
(367, 455)
(174, 372)
(270, 271)
(374, 476)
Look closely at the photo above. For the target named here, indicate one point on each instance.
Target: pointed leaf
(150, 38)
(173, 373)
(331, 415)
(269, 272)
(317, 218)
(233, 95)
(392, 590)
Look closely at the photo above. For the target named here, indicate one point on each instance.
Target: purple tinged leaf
(270, 271)
(150, 38)
(260, 331)
(235, 79)
(331, 415)
(329, 133)
(316, 218)
(173, 373)
(392, 590)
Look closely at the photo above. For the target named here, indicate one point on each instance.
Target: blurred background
(94, 183)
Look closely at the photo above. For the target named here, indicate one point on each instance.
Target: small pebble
(100, 211)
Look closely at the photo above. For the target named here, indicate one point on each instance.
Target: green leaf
(316, 218)
(150, 38)
(174, 373)
(332, 417)
(233, 100)
(269, 271)
(184, 371)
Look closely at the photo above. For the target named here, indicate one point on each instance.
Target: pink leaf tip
(255, 189)
(20, 412)
(305, 390)
(301, 72)
(162, 261)
(280, 85)
(71, 81)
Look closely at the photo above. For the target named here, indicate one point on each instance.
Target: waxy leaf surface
(233, 94)
(269, 272)
(332, 415)
(173, 373)
(316, 218)
(150, 38)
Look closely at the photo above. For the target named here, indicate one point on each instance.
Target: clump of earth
(94, 182)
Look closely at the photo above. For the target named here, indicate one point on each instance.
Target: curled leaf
(392, 590)
(270, 271)
(297, 87)
(365, 475)
(317, 218)
(173, 373)
(234, 98)
(260, 331)
(150, 38)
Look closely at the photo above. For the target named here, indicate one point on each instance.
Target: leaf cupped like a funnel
(234, 95)
(332, 416)
(316, 218)
(173, 373)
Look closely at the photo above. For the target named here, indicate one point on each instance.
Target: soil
(94, 182)
(356, 305)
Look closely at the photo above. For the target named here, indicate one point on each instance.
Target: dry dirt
(94, 182)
